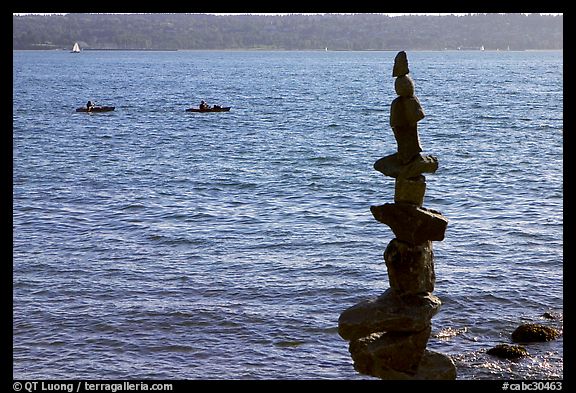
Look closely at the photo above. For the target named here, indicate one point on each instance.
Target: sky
(212, 13)
(295, 13)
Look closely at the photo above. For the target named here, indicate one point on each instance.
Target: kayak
(96, 109)
(218, 109)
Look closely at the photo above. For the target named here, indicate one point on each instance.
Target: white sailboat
(76, 48)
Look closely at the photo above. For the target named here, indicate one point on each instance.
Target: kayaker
(203, 105)
(89, 106)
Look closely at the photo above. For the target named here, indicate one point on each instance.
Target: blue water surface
(154, 243)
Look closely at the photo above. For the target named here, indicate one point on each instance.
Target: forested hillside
(288, 32)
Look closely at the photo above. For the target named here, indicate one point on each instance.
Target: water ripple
(154, 243)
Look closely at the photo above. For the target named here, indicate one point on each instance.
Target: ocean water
(154, 243)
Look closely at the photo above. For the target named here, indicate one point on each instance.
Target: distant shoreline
(130, 49)
(360, 32)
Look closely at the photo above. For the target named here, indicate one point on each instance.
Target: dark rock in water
(410, 268)
(506, 351)
(388, 312)
(532, 332)
(391, 166)
(552, 315)
(381, 352)
(411, 223)
(400, 64)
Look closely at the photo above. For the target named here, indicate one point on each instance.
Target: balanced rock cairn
(388, 334)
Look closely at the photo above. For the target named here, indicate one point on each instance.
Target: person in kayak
(204, 105)
(89, 106)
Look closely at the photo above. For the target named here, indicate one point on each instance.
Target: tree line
(289, 32)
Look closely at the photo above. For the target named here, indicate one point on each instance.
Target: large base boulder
(432, 366)
(379, 353)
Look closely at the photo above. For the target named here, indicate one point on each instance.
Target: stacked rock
(388, 334)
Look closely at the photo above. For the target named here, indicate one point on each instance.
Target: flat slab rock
(388, 312)
(411, 223)
(392, 166)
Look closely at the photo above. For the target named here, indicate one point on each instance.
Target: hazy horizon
(298, 13)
